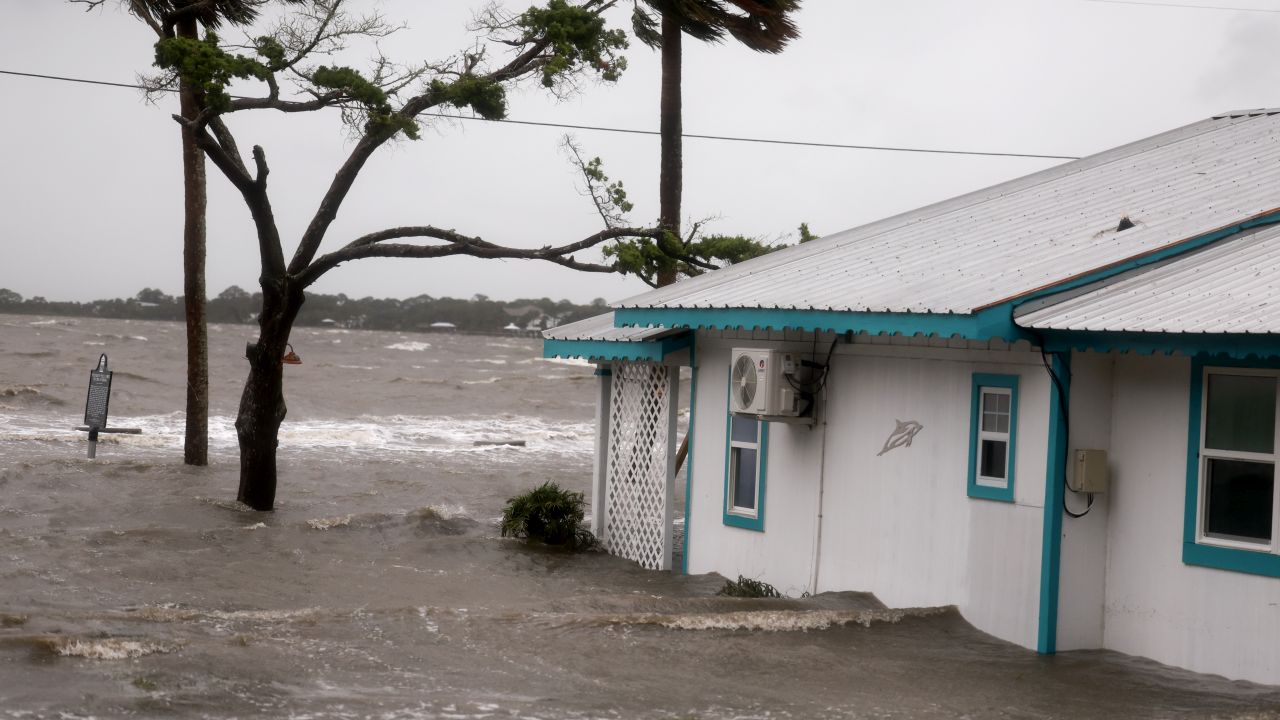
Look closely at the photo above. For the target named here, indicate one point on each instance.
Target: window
(748, 440)
(993, 436)
(1235, 499)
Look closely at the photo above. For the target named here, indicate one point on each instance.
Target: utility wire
(1184, 5)
(631, 131)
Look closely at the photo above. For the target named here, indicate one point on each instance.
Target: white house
(948, 367)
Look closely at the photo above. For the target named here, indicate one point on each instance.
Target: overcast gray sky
(90, 176)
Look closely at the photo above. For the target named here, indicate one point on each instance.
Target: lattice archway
(638, 483)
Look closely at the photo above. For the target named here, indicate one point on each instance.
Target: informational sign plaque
(95, 407)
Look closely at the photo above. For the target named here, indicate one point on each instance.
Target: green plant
(550, 514)
(746, 587)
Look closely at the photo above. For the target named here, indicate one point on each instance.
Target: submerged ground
(132, 586)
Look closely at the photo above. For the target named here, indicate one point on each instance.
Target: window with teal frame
(746, 450)
(1232, 449)
(993, 436)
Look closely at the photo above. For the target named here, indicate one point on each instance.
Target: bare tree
(554, 45)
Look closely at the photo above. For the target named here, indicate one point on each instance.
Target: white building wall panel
(900, 524)
(1082, 583)
(781, 555)
(1203, 619)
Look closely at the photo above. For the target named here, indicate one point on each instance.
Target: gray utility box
(1089, 472)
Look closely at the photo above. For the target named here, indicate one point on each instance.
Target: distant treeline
(235, 305)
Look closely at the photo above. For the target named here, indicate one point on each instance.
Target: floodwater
(134, 586)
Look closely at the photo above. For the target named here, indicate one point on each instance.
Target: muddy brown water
(133, 586)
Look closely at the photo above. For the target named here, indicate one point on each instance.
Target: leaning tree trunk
(669, 180)
(196, 447)
(262, 406)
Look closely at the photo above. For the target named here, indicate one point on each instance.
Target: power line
(631, 131)
(1147, 3)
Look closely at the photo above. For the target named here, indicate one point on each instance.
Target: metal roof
(1228, 287)
(1001, 243)
(600, 328)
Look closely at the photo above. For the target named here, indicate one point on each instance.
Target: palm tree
(185, 18)
(762, 25)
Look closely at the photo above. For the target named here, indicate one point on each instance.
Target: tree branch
(376, 245)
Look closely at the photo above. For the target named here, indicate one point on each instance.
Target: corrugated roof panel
(1228, 287)
(601, 328)
(979, 249)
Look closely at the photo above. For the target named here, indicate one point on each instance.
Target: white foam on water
(330, 522)
(109, 648)
(411, 346)
(780, 620)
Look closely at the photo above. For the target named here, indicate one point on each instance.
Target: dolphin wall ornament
(902, 434)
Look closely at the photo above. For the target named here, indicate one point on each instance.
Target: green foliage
(207, 67)
(805, 234)
(576, 36)
(486, 97)
(647, 259)
(613, 193)
(550, 514)
(371, 97)
(748, 588)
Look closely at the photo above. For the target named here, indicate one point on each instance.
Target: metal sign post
(95, 406)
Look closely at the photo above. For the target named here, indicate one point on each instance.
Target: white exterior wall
(899, 525)
(1203, 619)
(1082, 573)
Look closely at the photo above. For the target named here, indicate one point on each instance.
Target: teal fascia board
(1232, 345)
(606, 350)
(991, 322)
(1169, 251)
(1055, 477)
(981, 380)
(1221, 558)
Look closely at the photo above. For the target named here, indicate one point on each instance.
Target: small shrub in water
(550, 514)
(746, 587)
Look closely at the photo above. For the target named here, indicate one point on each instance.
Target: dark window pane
(990, 422)
(745, 429)
(1241, 413)
(744, 478)
(1003, 424)
(1238, 499)
(993, 459)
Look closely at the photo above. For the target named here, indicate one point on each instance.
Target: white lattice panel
(637, 490)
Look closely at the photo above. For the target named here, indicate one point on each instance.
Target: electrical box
(1090, 472)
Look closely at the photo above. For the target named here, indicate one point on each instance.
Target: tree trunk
(262, 406)
(196, 447)
(670, 179)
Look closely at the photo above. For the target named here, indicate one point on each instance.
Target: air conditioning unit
(759, 383)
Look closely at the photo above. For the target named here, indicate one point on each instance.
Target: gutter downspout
(1055, 487)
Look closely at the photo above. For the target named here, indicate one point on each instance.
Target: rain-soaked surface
(134, 586)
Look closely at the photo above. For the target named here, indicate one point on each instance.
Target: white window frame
(1005, 437)
(1206, 454)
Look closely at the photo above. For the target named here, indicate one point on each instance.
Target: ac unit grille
(744, 381)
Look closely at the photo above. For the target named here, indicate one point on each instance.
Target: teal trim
(652, 350)
(1254, 562)
(1055, 478)
(981, 380)
(688, 460)
(1235, 345)
(762, 459)
(993, 322)
(1161, 255)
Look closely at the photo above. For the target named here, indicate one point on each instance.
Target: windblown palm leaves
(762, 25)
